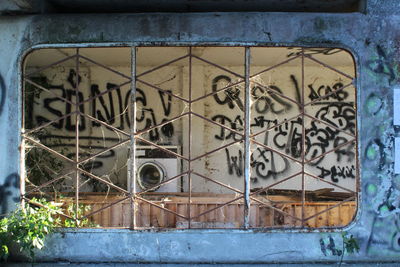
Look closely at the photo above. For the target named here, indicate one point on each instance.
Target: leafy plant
(350, 245)
(82, 209)
(27, 227)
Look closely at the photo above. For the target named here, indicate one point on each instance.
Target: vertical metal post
(190, 139)
(22, 146)
(132, 160)
(77, 118)
(247, 139)
(303, 141)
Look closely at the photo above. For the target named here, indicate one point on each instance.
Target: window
(193, 137)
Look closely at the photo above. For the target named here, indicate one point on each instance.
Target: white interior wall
(226, 165)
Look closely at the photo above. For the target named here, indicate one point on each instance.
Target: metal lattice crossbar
(284, 201)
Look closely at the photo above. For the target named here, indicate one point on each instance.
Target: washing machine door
(149, 175)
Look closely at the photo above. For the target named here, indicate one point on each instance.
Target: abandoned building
(205, 131)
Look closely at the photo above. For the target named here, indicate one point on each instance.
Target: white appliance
(154, 166)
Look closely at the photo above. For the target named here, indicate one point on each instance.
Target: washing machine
(154, 165)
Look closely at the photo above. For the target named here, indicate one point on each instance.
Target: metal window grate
(283, 120)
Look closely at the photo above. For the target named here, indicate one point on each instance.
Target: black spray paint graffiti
(328, 247)
(313, 51)
(111, 108)
(2, 94)
(319, 137)
(7, 192)
(336, 172)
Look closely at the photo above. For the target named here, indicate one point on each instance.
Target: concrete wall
(374, 40)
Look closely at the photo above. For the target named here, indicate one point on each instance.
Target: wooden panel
(230, 215)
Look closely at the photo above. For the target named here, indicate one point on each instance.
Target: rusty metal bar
(216, 182)
(328, 94)
(357, 148)
(266, 87)
(105, 124)
(275, 66)
(327, 66)
(328, 124)
(77, 120)
(275, 126)
(23, 174)
(218, 66)
(332, 207)
(105, 67)
(162, 66)
(48, 123)
(329, 151)
(132, 168)
(216, 123)
(162, 208)
(49, 149)
(272, 185)
(163, 183)
(105, 207)
(216, 149)
(104, 92)
(43, 206)
(50, 65)
(104, 151)
(161, 148)
(322, 180)
(161, 124)
(276, 209)
(217, 91)
(247, 153)
(162, 90)
(49, 91)
(190, 139)
(37, 188)
(217, 207)
(102, 180)
(276, 151)
(303, 140)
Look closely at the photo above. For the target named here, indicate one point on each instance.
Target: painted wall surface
(374, 40)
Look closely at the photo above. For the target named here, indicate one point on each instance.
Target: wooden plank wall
(218, 215)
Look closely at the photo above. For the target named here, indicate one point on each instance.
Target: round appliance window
(149, 175)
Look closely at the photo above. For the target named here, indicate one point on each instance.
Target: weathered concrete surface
(127, 6)
(198, 265)
(374, 40)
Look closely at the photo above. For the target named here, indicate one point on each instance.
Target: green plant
(350, 245)
(27, 227)
(74, 213)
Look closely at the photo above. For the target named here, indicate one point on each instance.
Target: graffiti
(336, 172)
(7, 191)
(328, 247)
(267, 164)
(374, 104)
(231, 94)
(325, 90)
(264, 163)
(313, 51)
(110, 108)
(385, 235)
(2, 94)
(335, 111)
(383, 64)
(235, 163)
(236, 124)
(375, 152)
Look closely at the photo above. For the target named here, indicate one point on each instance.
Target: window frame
(247, 153)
